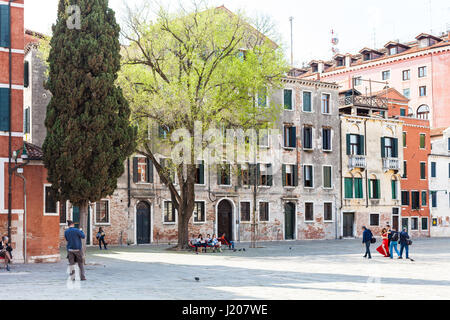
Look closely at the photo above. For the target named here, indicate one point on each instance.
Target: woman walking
(384, 248)
(101, 238)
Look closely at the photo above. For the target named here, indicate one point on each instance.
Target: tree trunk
(83, 226)
(183, 230)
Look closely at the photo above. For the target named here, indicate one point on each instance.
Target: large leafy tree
(198, 65)
(88, 119)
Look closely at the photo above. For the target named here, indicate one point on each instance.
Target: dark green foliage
(89, 133)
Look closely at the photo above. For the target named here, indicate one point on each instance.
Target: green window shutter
(239, 169)
(4, 108)
(202, 172)
(383, 154)
(348, 186)
(307, 101)
(404, 139)
(135, 170)
(293, 137)
(422, 141)
(358, 188)
(5, 32)
(394, 189)
(258, 173)
(361, 151)
(288, 99)
(283, 175)
(295, 173)
(26, 74)
(424, 198)
(26, 121)
(348, 145)
(395, 148)
(270, 177)
(327, 177)
(219, 174)
(378, 190)
(370, 189)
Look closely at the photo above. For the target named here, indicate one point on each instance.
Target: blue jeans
(368, 249)
(406, 247)
(232, 244)
(393, 244)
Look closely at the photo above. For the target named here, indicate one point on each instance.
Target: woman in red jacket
(384, 248)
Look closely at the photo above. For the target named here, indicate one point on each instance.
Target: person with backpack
(101, 238)
(367, 240)
(405, 242)
(393, 243)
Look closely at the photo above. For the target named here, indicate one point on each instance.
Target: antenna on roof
(431, 17)
(291, 19)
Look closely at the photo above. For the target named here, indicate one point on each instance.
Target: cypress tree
(89, 135)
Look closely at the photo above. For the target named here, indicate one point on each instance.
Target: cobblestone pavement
(289, 270)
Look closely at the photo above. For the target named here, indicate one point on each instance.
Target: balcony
(357, 162)
(391, 164)
(363, 101)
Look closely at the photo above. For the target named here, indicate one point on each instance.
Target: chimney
(348, 59)
(321, 67)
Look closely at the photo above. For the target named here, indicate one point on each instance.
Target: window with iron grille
(309, 211)
(50, 201)
(326, 139)
(245, 211)
(169, 212)
(263, 211)
(328, 211)
(199, 212)
(374, 219)
(102, 212)
(63, 212)
(307, 137)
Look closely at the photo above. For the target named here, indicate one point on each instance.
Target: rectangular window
(290, 136)
(290, 175)
(199, 212)
(309, 211)
(402, 112)
(407, 93)
(415, 200)
(422, 72)
(405, 198)
(263, 138)
(168, 169)
(433, 199)
(433, 169)
(26, 72)
(308, 176)
(404, 140)
(358, 188)
(355, 144)
(307, 102)
(406, 75)
(448, 144)
(424, 198)
(307, 137)
(327, 183)
(326, 109)
(392, 50)
(26, 120)
(374, 219)
(142, 170)
(357, 81)
(169, 212)
(102, 212)
(224, 174)
(246, 172)
(328, 211)
(326, 139)
(4, 106)
(50, 201)
(245, 211)
(262, 97)
(263, 211)
(5, 31)
(374, 189)
(423, 173)
(265, 175)
(422, 140)
(62, 212)
(425, 223)
(200, 173)
(405, 172)
(288, 99)
(389, 147)
(348, 188)
(386, 75)
(422, 91)
(414, 223)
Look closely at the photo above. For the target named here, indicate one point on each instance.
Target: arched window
(423, 112)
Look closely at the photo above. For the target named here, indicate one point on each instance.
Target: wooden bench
(193, 247)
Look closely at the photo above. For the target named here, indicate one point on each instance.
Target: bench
(193, 247)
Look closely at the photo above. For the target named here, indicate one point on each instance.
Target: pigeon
(197, 279)
(290, 248)
(243, 249)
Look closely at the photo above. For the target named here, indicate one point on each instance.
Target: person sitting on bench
(215, 243)
(5, 251)
(229, 243)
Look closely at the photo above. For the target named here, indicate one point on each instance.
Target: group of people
(6, 251)
(213, 242)
(390, 240)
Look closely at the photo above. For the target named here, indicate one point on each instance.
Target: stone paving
(289, 270)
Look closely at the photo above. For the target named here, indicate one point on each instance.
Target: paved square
(289, 270)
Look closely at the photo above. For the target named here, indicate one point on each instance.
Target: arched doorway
(289, 221)
(143, 223)
(225, 219)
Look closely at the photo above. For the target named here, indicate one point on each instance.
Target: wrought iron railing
(364, 101)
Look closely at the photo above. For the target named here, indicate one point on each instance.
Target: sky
(357, 23)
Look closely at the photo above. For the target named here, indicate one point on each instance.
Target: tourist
(393, 243)
(5, 251)
(367, 240)
(404, 243)
(384, 247)
(101, 238)
(74, 249)
(224, 239)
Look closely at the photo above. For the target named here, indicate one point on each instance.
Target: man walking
(74, 249)
(367, 237)
(393, 243)
(404, 238)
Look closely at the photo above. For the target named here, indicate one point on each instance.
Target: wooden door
(143, 223)
(224, 219)
(289, 221)
(349, 220)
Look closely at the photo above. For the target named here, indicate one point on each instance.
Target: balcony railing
(364, 101)
(391, 164)
(357, 162)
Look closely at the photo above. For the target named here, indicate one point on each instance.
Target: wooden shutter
(395, 148)
(4, 107)
(378, 193)
(383, 144)
(239, 169)
(348, 187)
(135, 170)
(269, 176)
(5, 32)
(288, 99)
(26, 121)
(348, 144)
(370, 189)
(306, 101)
(293, 137)
(361, 150)
(283, 175)
(394, 189)
(219, 174)
(295, 174)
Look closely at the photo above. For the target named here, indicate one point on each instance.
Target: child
(101, 238)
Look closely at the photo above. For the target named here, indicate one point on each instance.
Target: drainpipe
(365, 151)
(20, 175)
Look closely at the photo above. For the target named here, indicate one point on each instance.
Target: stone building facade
(371, 164)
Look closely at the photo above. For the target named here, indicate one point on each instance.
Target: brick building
(32, 226)
(418, 69)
